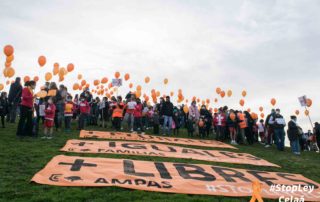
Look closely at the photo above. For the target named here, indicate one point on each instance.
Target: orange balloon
(306, 112)
(158, 93)
(218, 90)
(126, 76)
(171, 93)
(76, 86)
(87, 85)
(7, 64)
(83, 82)
(70, 67)
(241, 102)
(139, 88)
(110, 85)
(273, 101)
(229, 93)
(147, 79)
(309, 102)
(9, 72)
(79, 76)
(42, 60)
(1, 86)
(130, 85)
(260, 109)
(48, 76)
(117, 75)
(36, 78)
(165, 81)
(8, 50)
(216, 100)
(55, 70)
(26, 78)
(215, 110)
(10, 58)
(297, 112)
(61, 78)
(62, 72)
(244, 93)
(104, 80)
(222, 94)
(262, 115)
(96, 82)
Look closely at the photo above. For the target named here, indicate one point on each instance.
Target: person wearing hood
(14, 99)
(294, 132)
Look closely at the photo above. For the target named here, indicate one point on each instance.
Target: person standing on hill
(14, 99)
(316, 132)
(167, 112)
(269, 128)
(25, 122)
(3, 107)
(279, 124)
(294, 133)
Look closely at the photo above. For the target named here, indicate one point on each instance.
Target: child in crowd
(202, 127)
(156, 122)
(84, 111)
(49, 119)
(176, 121)
(68, 113)
(232, 124)
(3, 107)
(261, 131)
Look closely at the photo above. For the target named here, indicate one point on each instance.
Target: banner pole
(309, 117)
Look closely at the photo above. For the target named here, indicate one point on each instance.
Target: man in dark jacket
(167, 112)
(294, 131)
(14, 99)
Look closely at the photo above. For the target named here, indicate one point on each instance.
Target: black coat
(4, 107)
(293, 131)
(15, 93)
(167, 109)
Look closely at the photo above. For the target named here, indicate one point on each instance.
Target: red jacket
(50, 112)
(138, 111)
(220, 120)
(27, 98)
(84, 107)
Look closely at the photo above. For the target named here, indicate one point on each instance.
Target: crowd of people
(60, 109)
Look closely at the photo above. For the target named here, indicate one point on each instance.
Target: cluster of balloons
(103, 88)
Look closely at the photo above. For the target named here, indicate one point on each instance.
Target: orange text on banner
(161, 150)
(152, 138)
(168, 177)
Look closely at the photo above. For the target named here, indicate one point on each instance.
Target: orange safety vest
(117, 112)
(243, 123)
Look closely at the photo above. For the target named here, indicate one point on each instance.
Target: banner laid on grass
(170, 177)
(162, 150)
(152, 138)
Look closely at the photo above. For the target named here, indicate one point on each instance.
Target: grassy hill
(21, 159)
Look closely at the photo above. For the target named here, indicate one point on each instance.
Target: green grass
(21, 159)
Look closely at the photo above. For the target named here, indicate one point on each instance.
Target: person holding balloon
(26, 110)
(279, 124)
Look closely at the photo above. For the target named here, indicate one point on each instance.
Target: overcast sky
(270, 48)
